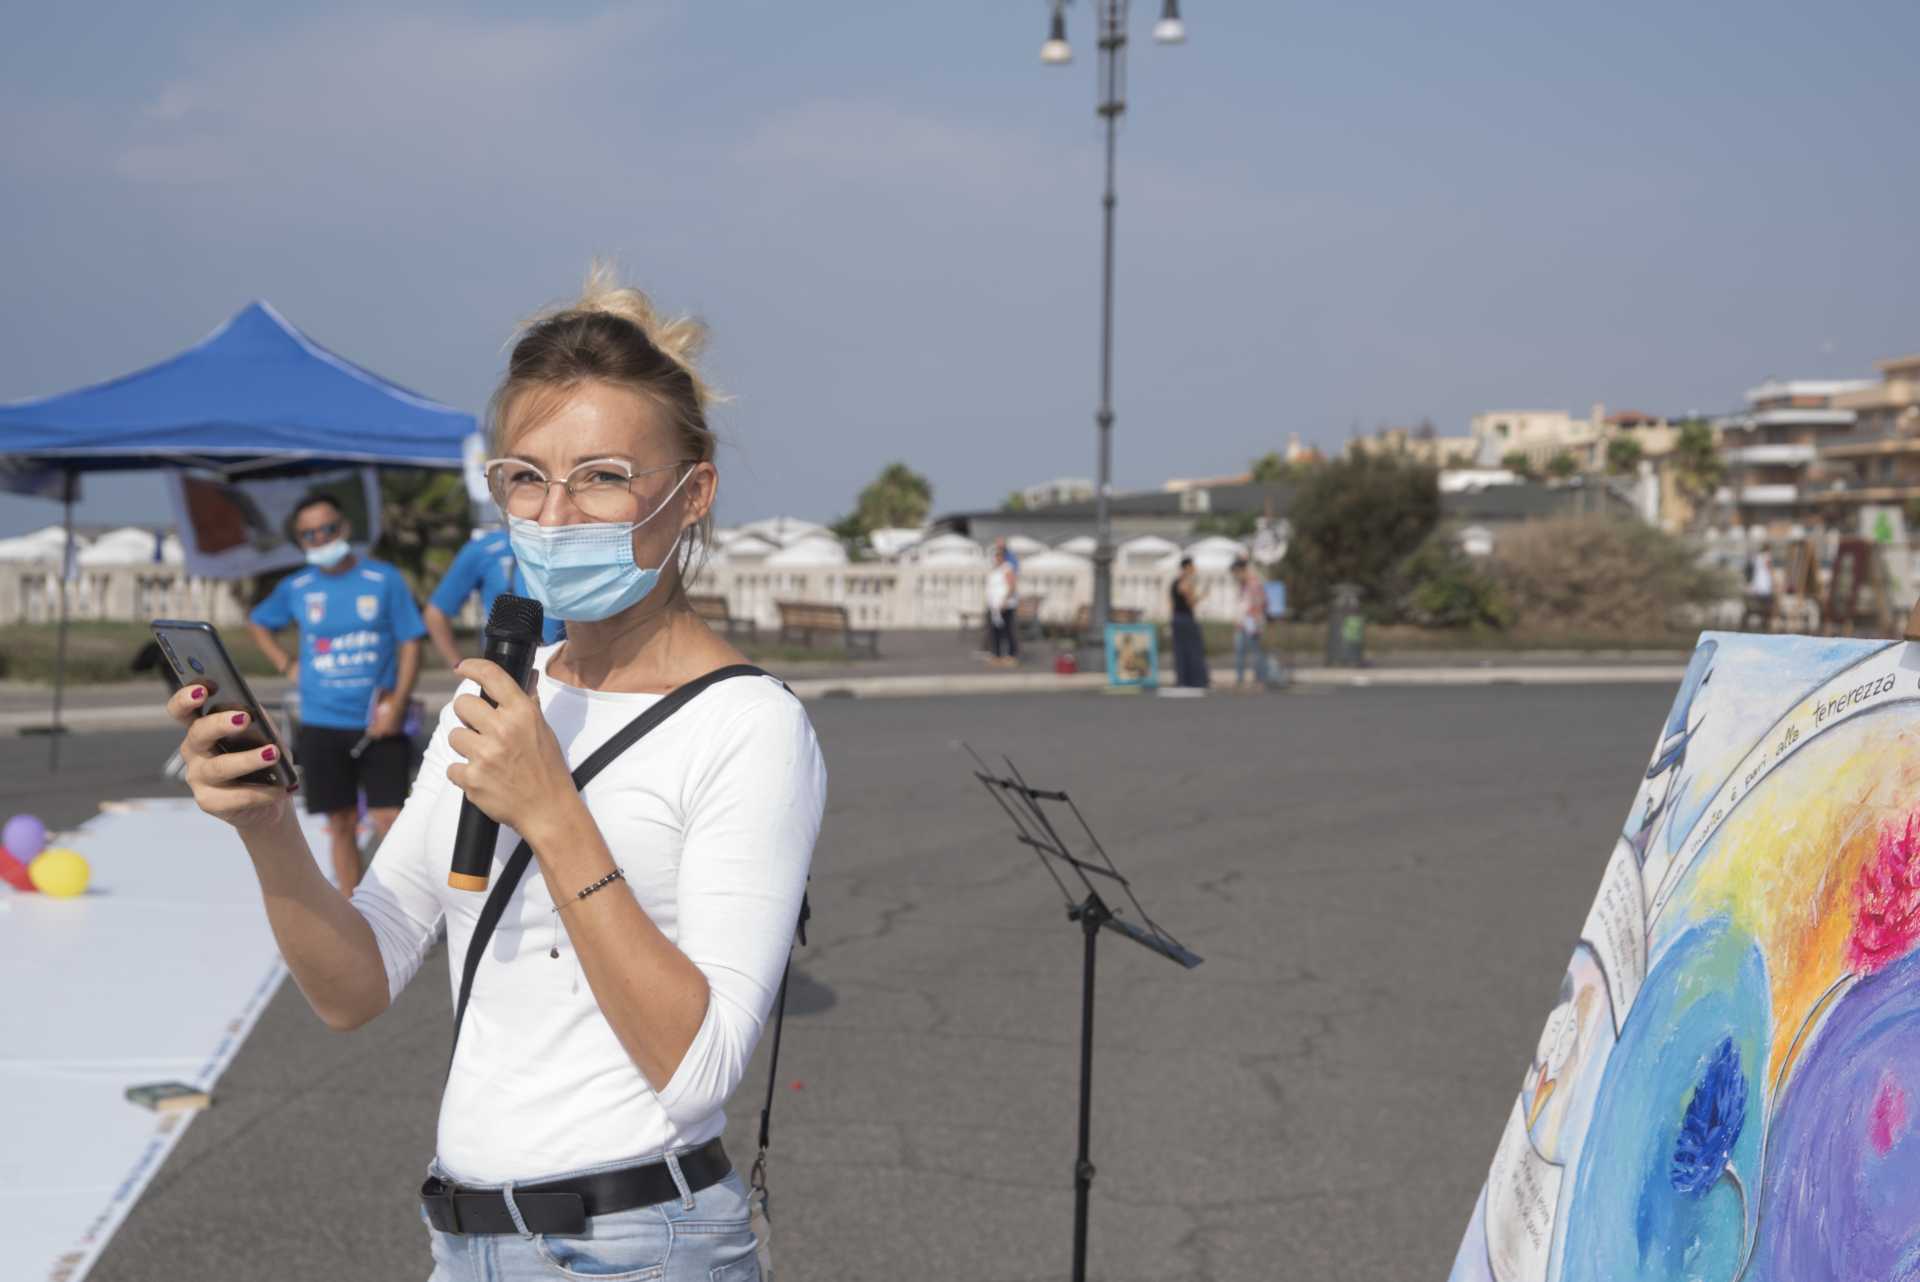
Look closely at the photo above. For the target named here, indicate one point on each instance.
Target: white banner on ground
(115, 988)
(232, 529)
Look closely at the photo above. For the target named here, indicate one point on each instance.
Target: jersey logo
(316, 608)
(368, 607)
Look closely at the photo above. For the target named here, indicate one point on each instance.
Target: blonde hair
(613, 334)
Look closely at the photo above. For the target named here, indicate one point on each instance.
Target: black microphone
(513, 634)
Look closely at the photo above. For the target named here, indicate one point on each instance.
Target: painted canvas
(1133, 654)
(1728, 1087)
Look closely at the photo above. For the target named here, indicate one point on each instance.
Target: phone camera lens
(194, 663)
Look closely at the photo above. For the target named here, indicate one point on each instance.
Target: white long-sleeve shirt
(1001, 591)
(713, 816)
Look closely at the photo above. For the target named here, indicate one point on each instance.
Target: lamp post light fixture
(1056, 51)
(1170, 30)
(1112, 19)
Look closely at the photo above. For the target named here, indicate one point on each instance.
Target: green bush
(1356, 520)
(1443, 587)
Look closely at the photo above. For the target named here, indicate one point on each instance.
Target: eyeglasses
(602, 489)
(314, 536)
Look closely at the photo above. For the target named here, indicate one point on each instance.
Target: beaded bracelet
(553, 948)
(602, 884)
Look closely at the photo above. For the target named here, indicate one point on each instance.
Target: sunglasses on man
(314, 536)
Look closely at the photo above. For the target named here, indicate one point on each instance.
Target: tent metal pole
(60, 646)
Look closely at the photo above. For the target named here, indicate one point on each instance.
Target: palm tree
(899, 496)
(1698, 468)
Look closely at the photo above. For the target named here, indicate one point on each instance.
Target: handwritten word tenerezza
(1859, 694)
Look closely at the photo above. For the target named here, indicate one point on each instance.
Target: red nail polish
(239, 718)
(197, 693)
(269, 753)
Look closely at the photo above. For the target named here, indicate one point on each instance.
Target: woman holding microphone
(621, 996)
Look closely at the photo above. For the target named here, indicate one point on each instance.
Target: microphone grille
(515, 618)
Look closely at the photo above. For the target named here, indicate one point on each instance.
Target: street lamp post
(1113, 101)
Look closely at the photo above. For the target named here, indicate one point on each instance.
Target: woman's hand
(513, 768)
(214, 775)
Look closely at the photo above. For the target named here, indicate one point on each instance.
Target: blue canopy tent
(256, 397)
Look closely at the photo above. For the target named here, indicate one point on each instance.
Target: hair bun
(681, 338)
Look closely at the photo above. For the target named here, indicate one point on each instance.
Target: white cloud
(401, 99)
(879, 146)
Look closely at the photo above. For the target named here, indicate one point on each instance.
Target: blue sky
(1330, 214)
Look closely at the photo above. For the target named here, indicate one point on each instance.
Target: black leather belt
(564, 1206)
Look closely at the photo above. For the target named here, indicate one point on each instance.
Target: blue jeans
(1247, 643)
(705, 1237)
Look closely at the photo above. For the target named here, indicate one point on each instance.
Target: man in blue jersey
(359, 652)
(485, 565)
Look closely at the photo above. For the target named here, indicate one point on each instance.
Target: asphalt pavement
(1385, 885)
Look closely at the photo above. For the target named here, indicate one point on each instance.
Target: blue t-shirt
(485, 565)
(351, 627)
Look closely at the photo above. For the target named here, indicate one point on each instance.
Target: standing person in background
(1249, 631)
(358, 655)
(485, 565)
(1003, 603)
(1000, 549)
(1189, 647)
(1760, 589)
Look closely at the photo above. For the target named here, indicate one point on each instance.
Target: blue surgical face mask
(328, 555)
(585, 573)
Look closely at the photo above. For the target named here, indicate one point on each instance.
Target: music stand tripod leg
(1091, 915)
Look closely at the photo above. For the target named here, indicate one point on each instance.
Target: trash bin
(1346, 628)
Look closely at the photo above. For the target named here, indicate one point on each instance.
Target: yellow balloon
(59, 872)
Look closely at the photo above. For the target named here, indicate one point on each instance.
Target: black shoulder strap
(516, 865)
(773, 1054)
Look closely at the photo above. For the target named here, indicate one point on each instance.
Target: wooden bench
(801, 621)
(1082, 619)
(713, 609)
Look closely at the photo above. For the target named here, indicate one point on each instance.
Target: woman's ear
(703, 486)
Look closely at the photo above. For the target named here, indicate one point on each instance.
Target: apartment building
(1421, 444)
(1539, 436)
(1877, 461)
(1773, 452)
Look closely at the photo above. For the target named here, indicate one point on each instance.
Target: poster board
(1797, 599)
(233, 529)
(1858, 599)
(1133, 655)
(1728, 1084)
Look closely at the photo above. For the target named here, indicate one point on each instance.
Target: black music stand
(1021, 802)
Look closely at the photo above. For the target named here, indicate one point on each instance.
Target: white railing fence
(908, 596)
(875, 595)
(31, 594)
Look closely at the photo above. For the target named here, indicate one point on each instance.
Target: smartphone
(198, 657)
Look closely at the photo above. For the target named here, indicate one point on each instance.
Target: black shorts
(332, 778)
